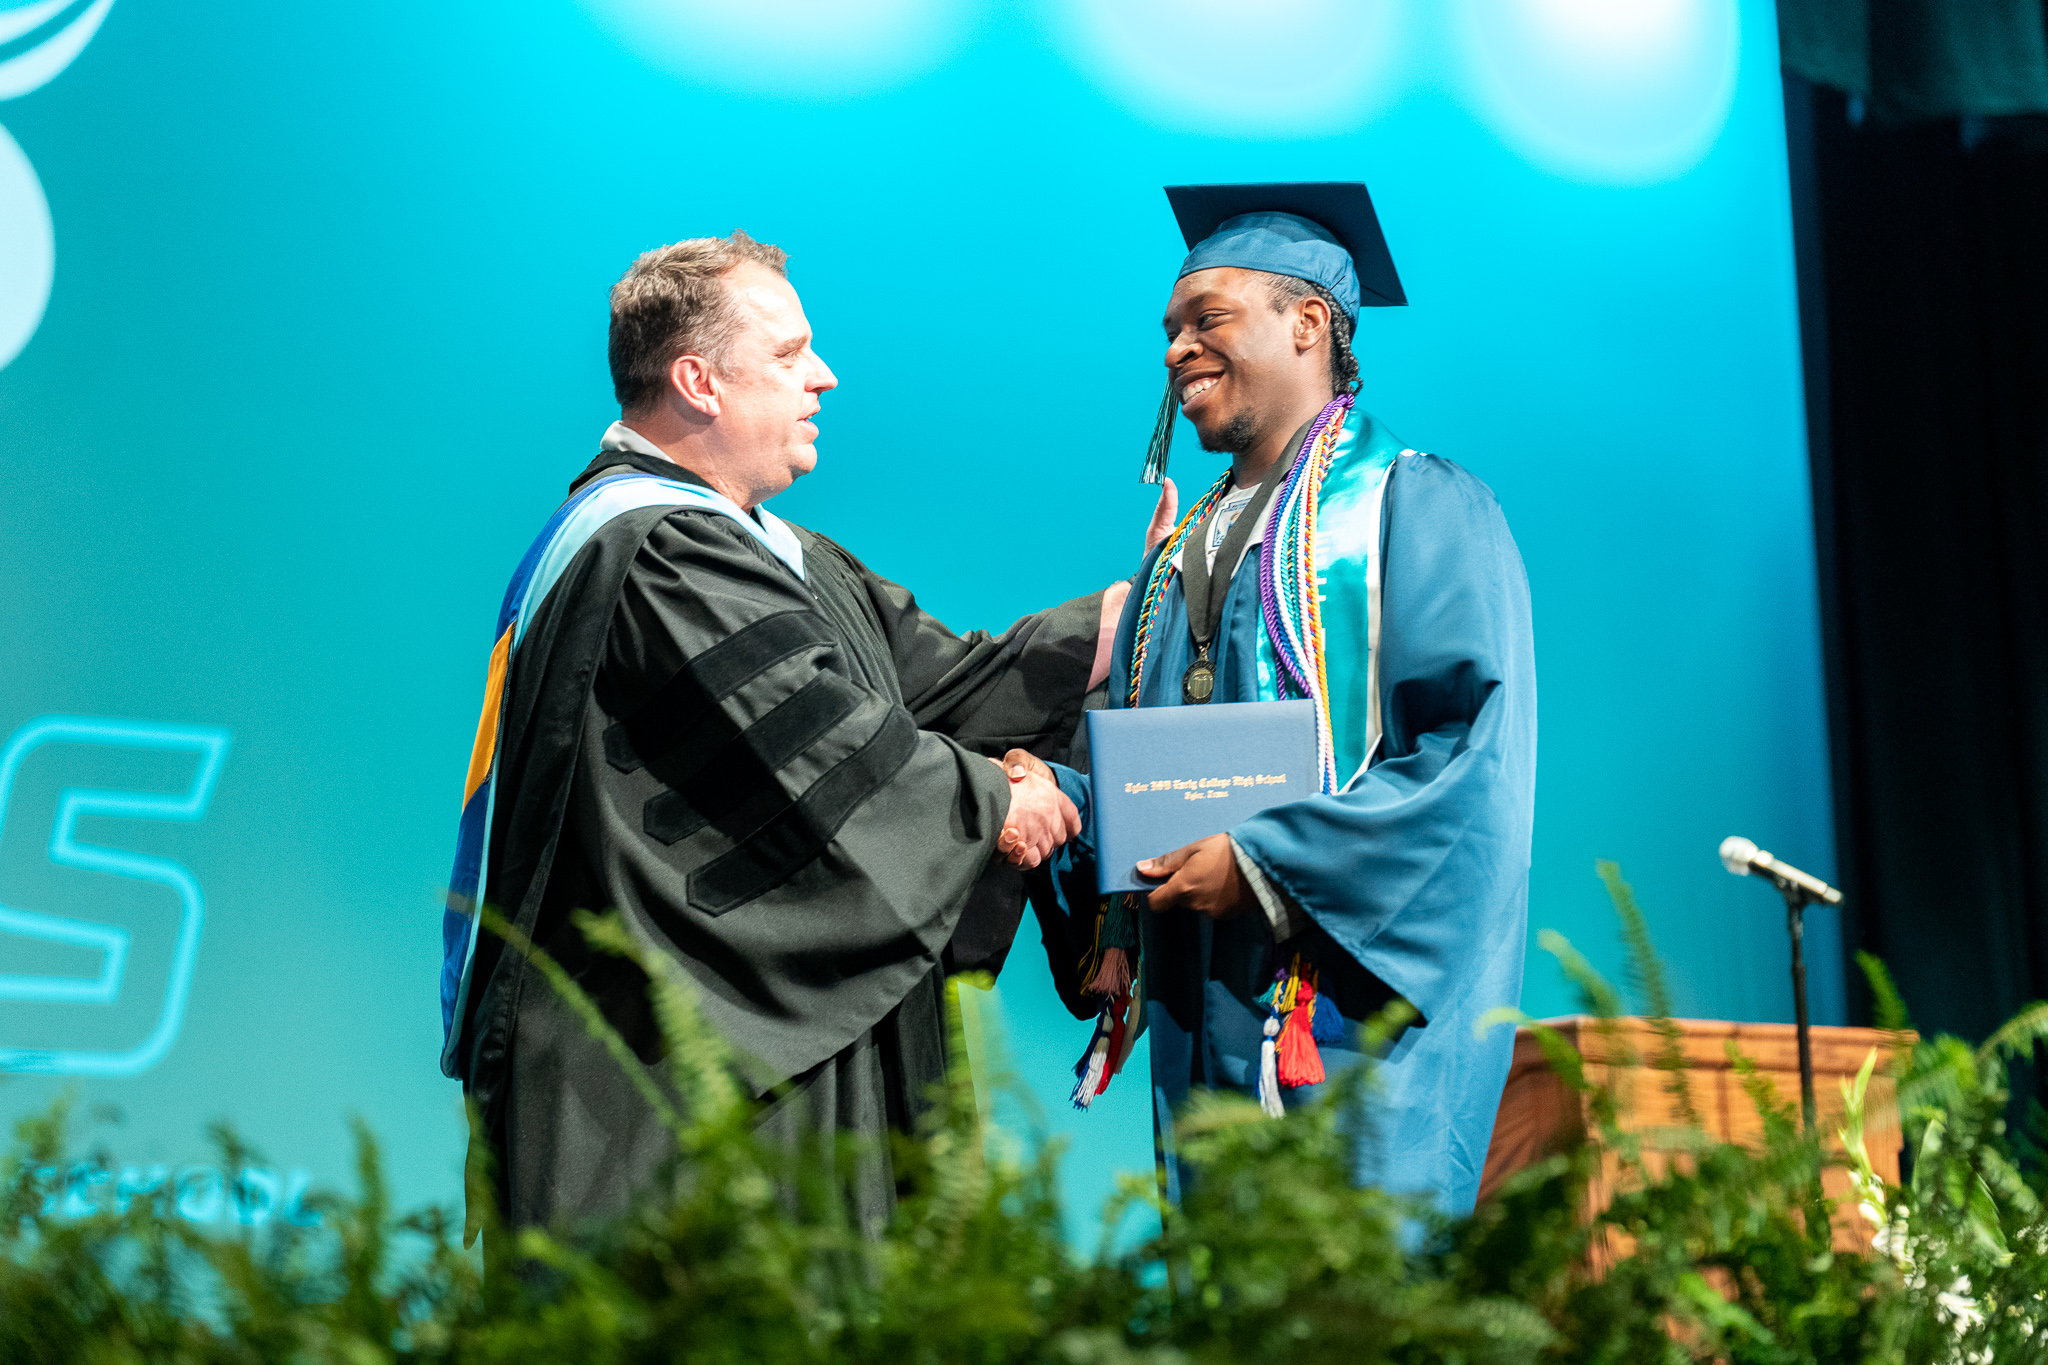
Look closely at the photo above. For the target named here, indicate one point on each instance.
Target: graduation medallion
(1204, 591)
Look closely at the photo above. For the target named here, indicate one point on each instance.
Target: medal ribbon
(1206, 590)
(1162, 574)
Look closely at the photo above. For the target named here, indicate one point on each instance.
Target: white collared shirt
(619, 436)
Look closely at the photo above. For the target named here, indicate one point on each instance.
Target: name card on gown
(1166, 776)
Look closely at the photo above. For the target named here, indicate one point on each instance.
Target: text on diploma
(1206, 788)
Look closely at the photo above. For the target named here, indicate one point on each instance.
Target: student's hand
(1165, 515)
(1202, 877)
(1041, 817)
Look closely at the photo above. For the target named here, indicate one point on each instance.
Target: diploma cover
(1165, 776)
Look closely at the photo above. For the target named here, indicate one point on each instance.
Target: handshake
(1203, 877)
(1041, 818)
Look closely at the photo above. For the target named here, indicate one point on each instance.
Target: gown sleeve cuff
(1075, 785)
(1067, 633)
(1282, 915)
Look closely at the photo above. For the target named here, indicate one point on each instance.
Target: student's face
(771, 380)
(1225, 347)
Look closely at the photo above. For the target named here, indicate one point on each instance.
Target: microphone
(1742, 857)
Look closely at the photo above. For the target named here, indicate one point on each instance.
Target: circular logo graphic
(28, 250)
(54, 33)
(48, 34)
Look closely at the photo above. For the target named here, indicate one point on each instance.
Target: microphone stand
(1797, 898)
(1743, 858)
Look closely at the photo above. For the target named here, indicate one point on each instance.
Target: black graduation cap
(1323, 231)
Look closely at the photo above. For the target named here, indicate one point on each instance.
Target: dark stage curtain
(1911, 60)
(1924, 301)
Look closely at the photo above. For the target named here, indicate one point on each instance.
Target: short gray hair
(675, 302)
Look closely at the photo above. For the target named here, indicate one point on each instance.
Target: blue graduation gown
(1416, 873)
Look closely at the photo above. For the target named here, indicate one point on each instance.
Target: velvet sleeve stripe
(733, 662)
(710, 780)
(669, 717)
(794, 838)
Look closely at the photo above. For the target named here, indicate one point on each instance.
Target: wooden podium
(1539, 1116)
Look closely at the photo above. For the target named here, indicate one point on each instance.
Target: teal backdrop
(302, 318)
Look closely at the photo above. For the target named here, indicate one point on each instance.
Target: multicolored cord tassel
(1289, 1057)
(1105, 1054)
(1109, 971)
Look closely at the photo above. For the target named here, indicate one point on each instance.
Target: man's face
(771, 380)
(1224, 346)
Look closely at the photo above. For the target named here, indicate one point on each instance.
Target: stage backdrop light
(324, 341)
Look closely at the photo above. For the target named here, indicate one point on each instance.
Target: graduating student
(1333, 563)
(760, 753)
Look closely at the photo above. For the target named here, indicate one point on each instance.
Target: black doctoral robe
(779, 781)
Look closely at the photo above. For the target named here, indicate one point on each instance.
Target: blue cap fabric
(1323, 232)
(1282, 244)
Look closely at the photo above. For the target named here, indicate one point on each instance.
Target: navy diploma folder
(1165, 776)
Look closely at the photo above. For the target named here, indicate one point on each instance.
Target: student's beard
(1238, 434)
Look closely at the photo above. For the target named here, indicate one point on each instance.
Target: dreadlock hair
(1286, 290)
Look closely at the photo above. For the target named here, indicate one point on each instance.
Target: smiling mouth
(1197, 388)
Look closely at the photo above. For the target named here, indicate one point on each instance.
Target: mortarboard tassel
(1162, 436)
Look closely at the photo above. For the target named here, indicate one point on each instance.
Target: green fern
(1646, 974)
(1273, 1252)
(1888, 1008)
(1596, 996)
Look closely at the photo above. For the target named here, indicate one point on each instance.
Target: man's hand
(1203, 877)
(1041, 817)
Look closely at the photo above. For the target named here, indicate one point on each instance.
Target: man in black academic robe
(763, 755)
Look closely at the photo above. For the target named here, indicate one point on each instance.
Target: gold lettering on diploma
(1206, 788)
